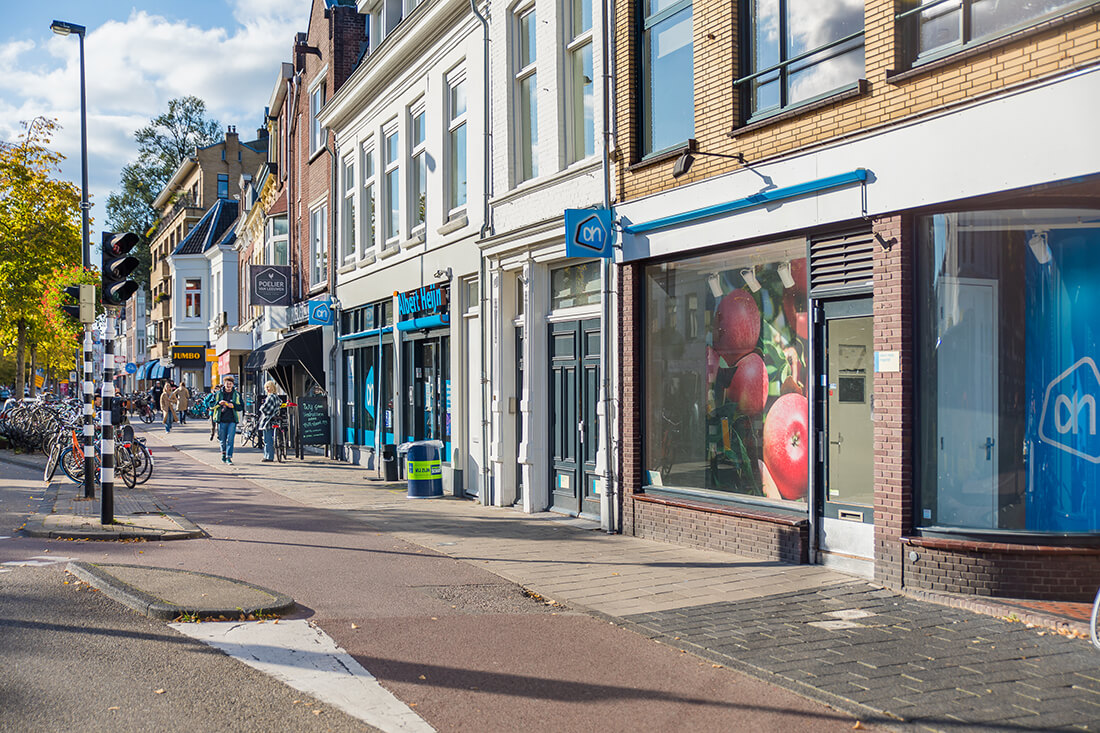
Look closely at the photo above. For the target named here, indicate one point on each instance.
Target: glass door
(846, 425)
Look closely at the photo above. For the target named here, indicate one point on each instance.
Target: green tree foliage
(162, 145)
(39, 233)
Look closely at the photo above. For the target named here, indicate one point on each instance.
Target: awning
(151, 370)
(303, 349)
(255, 360)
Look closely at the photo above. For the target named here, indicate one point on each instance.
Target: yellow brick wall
(1054, 48)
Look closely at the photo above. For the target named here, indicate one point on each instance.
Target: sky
(138, 55)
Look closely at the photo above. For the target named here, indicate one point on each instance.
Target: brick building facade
(878, 206)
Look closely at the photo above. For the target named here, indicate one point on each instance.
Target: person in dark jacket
(229, 407)
(269, 412)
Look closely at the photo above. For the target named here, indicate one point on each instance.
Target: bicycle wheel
(1094, 630)
(280, 445)
(124, 466)
(54, 459)
(72, 465)
(141, 450)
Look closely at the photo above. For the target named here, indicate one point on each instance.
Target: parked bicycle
(1094, 632)
(281, 426)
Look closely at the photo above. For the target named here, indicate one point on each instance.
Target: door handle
(989, 443)
(580, 430)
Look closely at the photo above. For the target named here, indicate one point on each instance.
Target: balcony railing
(182, 203)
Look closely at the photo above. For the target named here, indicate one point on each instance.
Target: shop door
(574, 434)
(846, 411)
(427, 388)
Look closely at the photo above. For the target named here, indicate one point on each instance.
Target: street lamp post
(62, 28)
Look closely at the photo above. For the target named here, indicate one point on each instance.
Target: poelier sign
(270, 285)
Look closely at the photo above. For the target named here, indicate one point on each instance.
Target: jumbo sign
(425, 300)
(188, 355)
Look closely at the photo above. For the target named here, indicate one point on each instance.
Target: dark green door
(574, 429)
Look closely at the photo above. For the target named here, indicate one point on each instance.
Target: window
(347, 214)
(526, 97)
(581, 99)
(668, 96)
(192, 298)
(575, 285)
(456, 141)
(223, 185)
(392, 191)
(319, 241)
(367, 224)
(798, 51)
(277, 241)
(418, 168)
(724, 362)
(316, 101)
(939, 27)
(1008, 387)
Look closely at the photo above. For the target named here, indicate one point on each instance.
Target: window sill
(318, 288)
(963, 53)
(389, 251)
(962, 540)
(366, 260)
(345, 269)
(663, 155)
(416, 239)
(730, 510)
(861, 87)
(315, 155)
(458, 221)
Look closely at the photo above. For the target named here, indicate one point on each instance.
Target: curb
(1004, 611)
(149, 605)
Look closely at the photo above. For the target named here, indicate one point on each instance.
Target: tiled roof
(210, 228)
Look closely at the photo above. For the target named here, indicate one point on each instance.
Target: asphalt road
(465, 649)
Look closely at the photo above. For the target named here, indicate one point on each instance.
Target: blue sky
(138, 55)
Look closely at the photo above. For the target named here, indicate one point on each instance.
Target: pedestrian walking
(157, 391)
(212, 409)
(183, 401)
(167, 405)
(269, 411)
(229, 405)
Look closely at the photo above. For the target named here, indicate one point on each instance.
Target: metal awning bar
(859, 175)
(366, 334)
(416, 324)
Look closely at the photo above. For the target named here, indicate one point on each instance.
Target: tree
(39, 231)
(162, 145)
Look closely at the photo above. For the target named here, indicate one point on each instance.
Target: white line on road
(307, 659)
(38, 561)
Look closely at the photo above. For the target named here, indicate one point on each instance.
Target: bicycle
(280, 428)
(1094, 633)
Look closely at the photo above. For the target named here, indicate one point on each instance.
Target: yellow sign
(39, 380)
(424, 470)
(188, 354)
(212, 355)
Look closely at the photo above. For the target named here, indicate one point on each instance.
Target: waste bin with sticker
(423, 468)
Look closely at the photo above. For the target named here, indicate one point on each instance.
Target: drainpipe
(484, 311)
(332, 391)
(608, 273)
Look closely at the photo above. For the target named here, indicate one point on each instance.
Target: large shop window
(725, 374)
(1007, 382)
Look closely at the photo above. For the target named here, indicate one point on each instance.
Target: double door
(574, 427)
(427, 391)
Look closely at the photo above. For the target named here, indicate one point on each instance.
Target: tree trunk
(20, 357)
(34, 368)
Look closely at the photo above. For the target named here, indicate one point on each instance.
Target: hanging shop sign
(588, 233)
(320, 312)
(188, 356)
(270, 285)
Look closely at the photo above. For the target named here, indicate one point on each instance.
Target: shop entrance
(574, 428)
(846, 517)
(426, 362)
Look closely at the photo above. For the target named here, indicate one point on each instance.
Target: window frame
(647, 25)
(575, 44)
(417, 209)
(455, 122)
(526, 135)
(223, 186)
(743, 85)
(316, 104)
(318, 244)
(368, 188)
(391, 210)
(348, 239)
(192, 299)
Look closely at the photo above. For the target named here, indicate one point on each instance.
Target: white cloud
(133, 67)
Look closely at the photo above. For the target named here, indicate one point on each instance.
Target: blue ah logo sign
(1069, 419)
(320, 312)
(588, 233)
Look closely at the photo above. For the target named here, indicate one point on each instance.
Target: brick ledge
(934, 543)
(744, 513)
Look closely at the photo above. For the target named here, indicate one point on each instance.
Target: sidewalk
(831, 637)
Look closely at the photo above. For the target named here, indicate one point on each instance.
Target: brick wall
(1059, 45)
(630, 388)
(1002, 570)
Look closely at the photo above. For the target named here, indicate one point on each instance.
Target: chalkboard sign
(313, 423)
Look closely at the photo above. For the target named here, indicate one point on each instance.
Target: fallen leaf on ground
(423, 677)
(857, 726)
(113, 707)
(159, 692)
(355, 626)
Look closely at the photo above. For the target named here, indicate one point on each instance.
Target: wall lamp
(444, 274)
(684, 162)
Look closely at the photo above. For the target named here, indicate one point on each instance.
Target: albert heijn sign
(424, 301)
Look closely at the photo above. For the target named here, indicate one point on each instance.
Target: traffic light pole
(107, 427)
(89, 413)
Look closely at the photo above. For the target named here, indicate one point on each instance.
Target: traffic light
(116, 266)
(84, 309)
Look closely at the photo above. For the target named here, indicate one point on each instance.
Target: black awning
(303, 350)
(255, 360)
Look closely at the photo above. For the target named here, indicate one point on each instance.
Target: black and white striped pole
(89, 416)
(107, 427)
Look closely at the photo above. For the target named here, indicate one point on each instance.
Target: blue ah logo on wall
(320, 312)
(588, 233)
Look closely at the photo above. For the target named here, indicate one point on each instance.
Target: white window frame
(526, 135)
(318, 245)
(391, 210)
(456, 122)
(347, 209)
(368, 239)
(316, 104)
(273, 240)
(187, 298)
(418, 168)
(576, 44)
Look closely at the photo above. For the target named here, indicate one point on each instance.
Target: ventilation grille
(842, 262)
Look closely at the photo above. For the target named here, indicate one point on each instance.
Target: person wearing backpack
(229, 407)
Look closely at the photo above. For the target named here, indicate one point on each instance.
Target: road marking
(849, 614)
(307, 659)
(38, 561)
(836, 625)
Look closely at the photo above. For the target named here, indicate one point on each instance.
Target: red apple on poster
(712, 365)
(789, 309)
(786, 446)
(749, 386)
(802, 324)
(736, 325)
